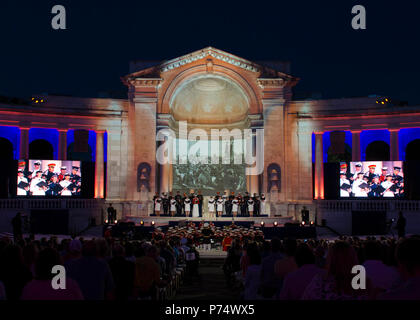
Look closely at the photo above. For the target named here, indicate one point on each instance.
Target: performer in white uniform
(344, 192)
(35, 190)
(37, 167)
(173, 207)
(251, 207)
(195, 211)
(158, 205)
(65, 183)
(386, 185)
(187, 207)
(210, 205)
(235, 206)
(357, 191)
(21, 178)
(358, 169)
(220, 204)
(262, 204)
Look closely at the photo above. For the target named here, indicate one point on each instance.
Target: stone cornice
(271, 83)
(144, 82)
(213, 52)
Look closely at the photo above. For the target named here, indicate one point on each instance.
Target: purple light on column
(368, 136)
(50, 135)
(13, 135)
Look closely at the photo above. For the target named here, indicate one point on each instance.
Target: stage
(166, 220)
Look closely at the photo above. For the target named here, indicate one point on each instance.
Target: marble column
(319, 166)
(394, 144)
(24, 143)
(99, 165)
(62, 144)
(355, 148)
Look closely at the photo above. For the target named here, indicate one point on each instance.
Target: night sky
(315, 36)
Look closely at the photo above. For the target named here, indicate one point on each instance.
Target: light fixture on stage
(312, 223)
(303, 223)
(141, 222)
(153, 222)
(262, 223)
(116, 221)
(106, 221)
(275, 223)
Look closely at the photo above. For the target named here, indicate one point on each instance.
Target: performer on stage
(54, 187)
(240, 203)
(67, 186)
(257, 204)
(235, 206)
(225, 199)
(63, 171)
(375, 187)
(262, 203)
(200, 203)
(370, 173)
(158, 205)
(187, 206)
(360, 188)
(178, 200)
(76, 179)
(389, 187)
(36, 188)
(345, 186)
(219, 204)
(173, 206)
(50, 172)
(211, 206)
(37, 167)
(358, 168)
(22, 184)
(250, 203)
(165, 204)
(244, 206)
(382, 178)
(195, 211)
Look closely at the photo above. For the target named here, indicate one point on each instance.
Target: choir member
(235, 206)
(370, 173)
(211, 205)
(219, 204)
(200, 203)
(388, 186)
(360, 188)
(158, 205)
(67, 185)
(173, 206)
(187, 206)
(35, 188)
(345, 187)
(165, 204)
(195, 211)
(256, 205)
(262, 203)
(250, 203)
(22, 184)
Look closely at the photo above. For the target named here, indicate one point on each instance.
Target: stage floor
(165, 220)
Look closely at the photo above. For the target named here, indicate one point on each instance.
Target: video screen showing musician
(48, 178)
(371, 179)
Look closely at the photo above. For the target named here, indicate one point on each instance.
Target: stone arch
(6, 147)
(378, 151)
(218, 70)
(41, 149)
(412, 151)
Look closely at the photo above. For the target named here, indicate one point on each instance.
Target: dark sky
(315, 36)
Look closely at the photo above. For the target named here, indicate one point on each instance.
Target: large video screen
(54, 178)
(210, 178)
(371, 179)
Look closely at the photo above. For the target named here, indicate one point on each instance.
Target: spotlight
(141, 222)
(303, 223)
(262, 223)
(312, 223)
(116, 221)
(153, 222)
(106, 221)
(275, 223)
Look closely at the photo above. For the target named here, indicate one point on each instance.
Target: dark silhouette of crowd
(323, 270)
(96, 269)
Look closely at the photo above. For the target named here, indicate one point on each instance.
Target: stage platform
(165, 220)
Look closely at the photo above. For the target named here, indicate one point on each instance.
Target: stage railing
(51, 203)
(369, 205)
